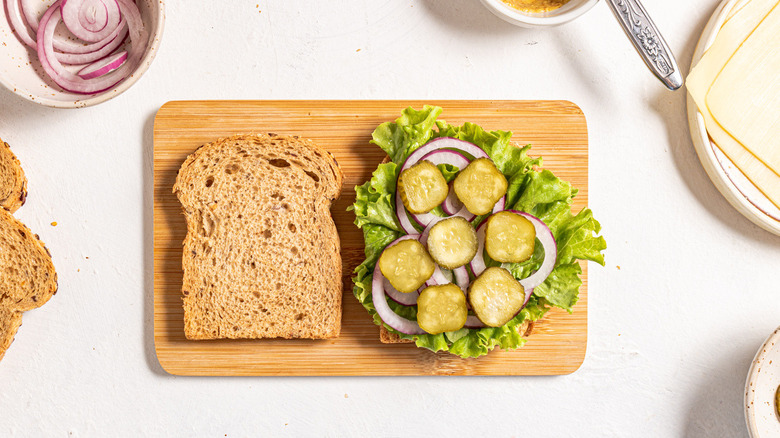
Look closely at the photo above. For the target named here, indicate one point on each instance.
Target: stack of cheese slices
(736, 87)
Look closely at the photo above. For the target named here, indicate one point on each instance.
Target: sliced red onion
(86, 58)
(406, 299)
(402, 215)
(452, 204)
(72, 82)
(424, 219)
(427, 231)
(28, 7)
(438, 277)
(67, 46)
(103, 66)
(18, 24)
(91, 20)
(461, 277)
(67, 49)
(446, 156)
(443, 143)
(477, 264)
(500, 204)
(546, 238)
(384, 311)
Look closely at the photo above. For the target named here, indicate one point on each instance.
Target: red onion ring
(452, 204)
(406, 299)
(103, 66)
(75, 13)
(28, 6)
(546, 238)
(446, 156)
(443, 143)
(477, 264)
(438, 277)
(461, 278)
(17, 22)
(402, 215)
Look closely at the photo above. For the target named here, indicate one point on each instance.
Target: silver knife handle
(648, 41)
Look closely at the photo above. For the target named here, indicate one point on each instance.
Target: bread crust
(261, 257)
(13, 183)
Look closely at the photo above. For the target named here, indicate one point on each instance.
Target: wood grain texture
(558, 132)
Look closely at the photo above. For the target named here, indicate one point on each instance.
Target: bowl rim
(755, 368)
(143, 66)
(517, 17)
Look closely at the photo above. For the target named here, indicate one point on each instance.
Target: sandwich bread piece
(13, 184)
(27, 275)
(261, 257)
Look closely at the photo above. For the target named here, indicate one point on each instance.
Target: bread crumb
(357, 50)
(54, 224)
(618, 266)
(346, 395)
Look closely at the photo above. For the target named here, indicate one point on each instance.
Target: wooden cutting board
(558, 132)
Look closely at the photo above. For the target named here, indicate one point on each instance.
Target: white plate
(763, 380)
(729, 180)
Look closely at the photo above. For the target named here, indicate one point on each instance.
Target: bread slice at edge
(13, 193)
(14, 302)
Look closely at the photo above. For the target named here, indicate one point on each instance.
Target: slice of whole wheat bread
(261, 257)
(13, 184)
(27, 276)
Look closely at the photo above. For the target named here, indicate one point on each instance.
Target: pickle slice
(406, 265)
(452, 242)
(441, 309)
(509, 237)
(496, 297)
(479, 186)
(422, 187)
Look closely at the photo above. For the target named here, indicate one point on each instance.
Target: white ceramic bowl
(21, 72)
(738, 190)
(564, 14)
(763, 380)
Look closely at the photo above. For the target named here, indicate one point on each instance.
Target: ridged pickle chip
(509, 237)
(452, 242)
(422, 187)
(496, 297)
(479, 186)
(406, 265)
(441, 309)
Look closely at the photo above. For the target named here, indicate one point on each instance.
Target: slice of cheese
(729, 39)
(745, 97)
(736, 8)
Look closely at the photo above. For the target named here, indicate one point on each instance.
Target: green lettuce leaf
(531, 189)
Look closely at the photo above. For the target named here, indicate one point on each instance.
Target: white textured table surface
(688, 294)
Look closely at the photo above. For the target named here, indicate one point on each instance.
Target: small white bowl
(564, 14)
(763, 380)
(21, 72)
